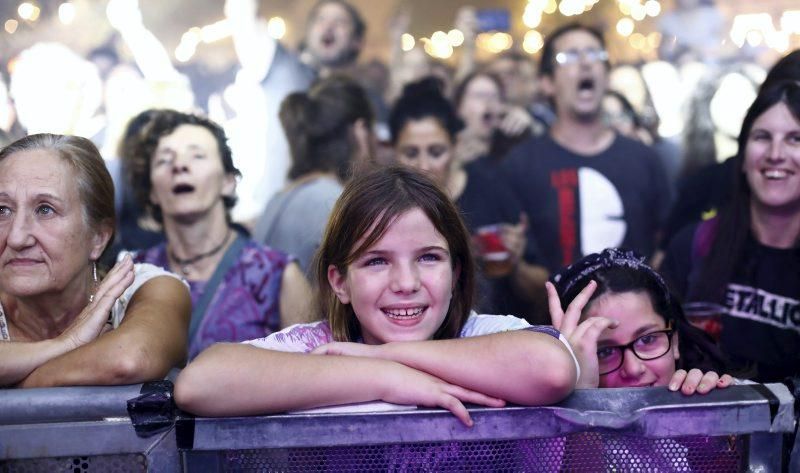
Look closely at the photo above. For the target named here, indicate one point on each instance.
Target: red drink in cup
(705, 316)
(492, 251)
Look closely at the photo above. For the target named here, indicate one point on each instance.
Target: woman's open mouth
(182, 189)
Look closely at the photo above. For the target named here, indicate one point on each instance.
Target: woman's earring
(94, 280)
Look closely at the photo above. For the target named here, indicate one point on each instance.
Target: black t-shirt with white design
(583, 204)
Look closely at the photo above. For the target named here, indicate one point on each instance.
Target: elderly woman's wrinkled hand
(91, 322)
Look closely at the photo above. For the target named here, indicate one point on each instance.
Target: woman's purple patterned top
(246, 303)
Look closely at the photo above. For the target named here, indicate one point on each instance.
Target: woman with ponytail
(329, 130)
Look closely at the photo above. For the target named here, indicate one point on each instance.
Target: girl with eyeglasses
(628, 330)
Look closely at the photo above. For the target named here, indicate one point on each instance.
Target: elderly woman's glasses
(647, 347)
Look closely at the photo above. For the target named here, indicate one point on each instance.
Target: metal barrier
(78, 429)
(735, 429)
(742, 428)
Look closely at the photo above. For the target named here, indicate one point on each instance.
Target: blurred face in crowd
(426, 145)
(481, 106)
(330, 37)
(45, 242)
(518, 77)
(615, 115)
(580, 75)
(187, 174)
(640, 325)
(772, 160)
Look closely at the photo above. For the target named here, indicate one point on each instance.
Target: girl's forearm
(238, 379)
(521, 366)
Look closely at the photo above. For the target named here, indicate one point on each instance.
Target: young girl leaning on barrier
(628, 330)
(395, 282)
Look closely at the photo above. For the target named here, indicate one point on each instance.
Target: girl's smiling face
(637, 321)
(400, 288)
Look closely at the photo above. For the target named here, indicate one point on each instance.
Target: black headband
(610, 258)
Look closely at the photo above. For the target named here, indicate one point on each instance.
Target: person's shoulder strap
(703, 238)
(230, 257)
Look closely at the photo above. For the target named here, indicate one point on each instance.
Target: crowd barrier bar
(38, 425)
(764, 413)
(63, 429)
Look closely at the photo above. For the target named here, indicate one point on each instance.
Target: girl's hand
(91, 322)
(406, 385)
(582, 337)
(695, 381)
(409, 386)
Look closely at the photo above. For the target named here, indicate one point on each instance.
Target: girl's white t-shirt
(303, 338)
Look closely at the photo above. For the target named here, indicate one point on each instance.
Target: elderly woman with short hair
(59, 323)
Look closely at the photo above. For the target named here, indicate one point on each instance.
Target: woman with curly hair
(184, 176)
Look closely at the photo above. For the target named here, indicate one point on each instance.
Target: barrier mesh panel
(127, 463)
(585, 452)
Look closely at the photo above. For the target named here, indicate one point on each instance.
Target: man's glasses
(573, 56)
(647, 347)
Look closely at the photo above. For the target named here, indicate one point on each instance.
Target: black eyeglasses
(647, 347)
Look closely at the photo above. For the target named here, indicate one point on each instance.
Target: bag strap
(230, 257)
(702, 240)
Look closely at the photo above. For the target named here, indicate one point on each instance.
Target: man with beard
(583, 186)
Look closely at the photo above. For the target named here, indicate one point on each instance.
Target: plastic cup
(492, 251)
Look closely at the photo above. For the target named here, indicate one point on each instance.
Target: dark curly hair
(420, 100)
(138, 153)
(617, 271)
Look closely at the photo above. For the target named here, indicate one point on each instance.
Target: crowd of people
(374, 272)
